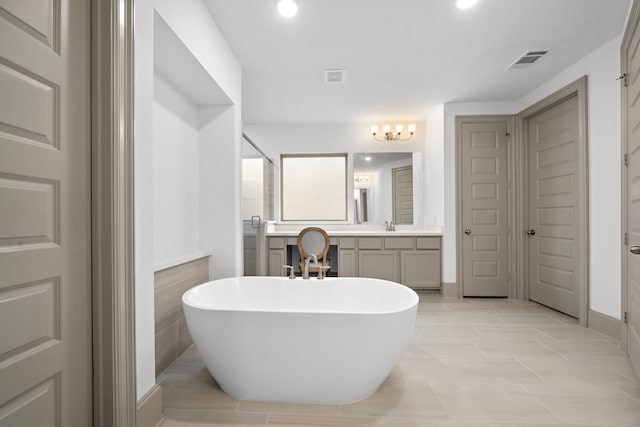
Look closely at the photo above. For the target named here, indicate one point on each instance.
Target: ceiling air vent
(527, 59)
(334, 76)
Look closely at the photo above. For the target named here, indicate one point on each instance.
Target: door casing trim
(577, 88)
(113, 303)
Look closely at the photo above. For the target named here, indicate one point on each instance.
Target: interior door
(631, 196)
(553, 205)
(45, 284)
(403, 195)
(485, 209)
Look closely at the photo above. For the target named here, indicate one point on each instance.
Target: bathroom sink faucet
(305, 273)
(389, 226)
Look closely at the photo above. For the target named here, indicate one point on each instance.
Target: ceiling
(402, 57)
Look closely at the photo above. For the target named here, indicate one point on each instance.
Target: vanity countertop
(276, 230)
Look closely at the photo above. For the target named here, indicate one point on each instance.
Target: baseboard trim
(149, 408)
(604, 324)
(450, 290)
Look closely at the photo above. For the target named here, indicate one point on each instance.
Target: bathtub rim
(410, 305)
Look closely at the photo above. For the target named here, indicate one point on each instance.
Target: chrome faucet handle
(291, 273)
(386, 226)
(320, 271)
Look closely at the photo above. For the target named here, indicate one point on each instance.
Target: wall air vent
(334, 76)
(527, 59)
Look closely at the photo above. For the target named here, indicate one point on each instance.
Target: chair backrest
(313, 240)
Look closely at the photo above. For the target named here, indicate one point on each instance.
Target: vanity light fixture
(287, 8)
(390, 136)
(361, 178)
(465, 4)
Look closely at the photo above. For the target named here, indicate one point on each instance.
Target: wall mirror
(387, 187)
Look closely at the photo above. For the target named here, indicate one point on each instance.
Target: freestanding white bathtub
(273, 339)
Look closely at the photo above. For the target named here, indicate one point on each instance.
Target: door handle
(467, 231)
(531, 232)
(634, 250)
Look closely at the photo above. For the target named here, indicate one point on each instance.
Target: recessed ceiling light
(368, 159)
(287, 8)
(465, 4)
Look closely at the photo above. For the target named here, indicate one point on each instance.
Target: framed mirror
(387, 187)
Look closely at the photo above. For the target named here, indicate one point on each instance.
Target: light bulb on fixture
(393, 136)
(465, 4)
(287, 8)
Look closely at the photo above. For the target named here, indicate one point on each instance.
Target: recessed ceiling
(402, 56)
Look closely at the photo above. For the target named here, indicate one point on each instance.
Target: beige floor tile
(288, 408)
(594, 409)
(574, 333)
(575, 390)
(448, 348)
(516, 332)
(320, 421)
(577, 349)
(620, 365)
(465, 318)
(448, 331)
(512, 348)
(489, 371)
(556, 371)
(528, 319)
(398, 399)
(212, 399)
(421, 422)
(217, 418)
(491, 405)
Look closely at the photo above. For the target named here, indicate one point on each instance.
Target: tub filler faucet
(305, 273)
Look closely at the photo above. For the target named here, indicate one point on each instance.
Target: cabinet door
(420, 269)
(378, 264)
(276, 261)
(347, 264)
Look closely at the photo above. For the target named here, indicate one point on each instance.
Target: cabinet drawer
(370, 243)
(347, 243)
(276, 243)
(398, 243)
(428, 243)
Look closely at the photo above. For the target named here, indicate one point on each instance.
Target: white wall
(143, 196)
(434, 167)
(191, 21)
(175, 173)
(603, 93)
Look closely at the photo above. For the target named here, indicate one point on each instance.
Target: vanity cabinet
(378, 264)
(347, 257)
(277, 256)
(413, 261)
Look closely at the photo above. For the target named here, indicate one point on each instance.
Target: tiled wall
(172, 336)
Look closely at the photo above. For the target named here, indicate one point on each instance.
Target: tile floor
(471, 362)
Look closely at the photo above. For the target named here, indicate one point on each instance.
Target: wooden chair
(313, 240)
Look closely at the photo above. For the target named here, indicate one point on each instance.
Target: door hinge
(624, 79)
(626, 239)
(626, 160)
(626, 318)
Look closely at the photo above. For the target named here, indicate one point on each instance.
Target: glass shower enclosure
(257, 205)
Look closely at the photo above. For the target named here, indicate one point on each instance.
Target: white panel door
(45, 284)
(485, 209)
(553, 203)
(631, 110)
